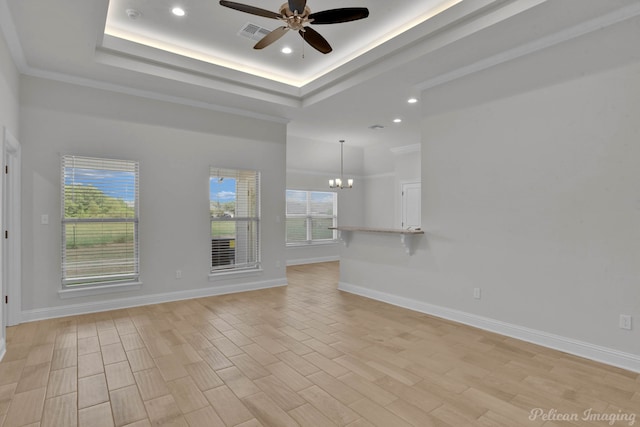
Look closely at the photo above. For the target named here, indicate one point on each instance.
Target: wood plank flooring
(305, 355)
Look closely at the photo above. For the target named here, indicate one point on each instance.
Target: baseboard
(116, 304)
(3, 348)
(587, 350)
(316, 260)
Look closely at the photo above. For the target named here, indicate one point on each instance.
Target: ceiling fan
(295, 14)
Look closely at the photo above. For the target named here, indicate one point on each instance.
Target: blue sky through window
(222, 190)
(117, 184)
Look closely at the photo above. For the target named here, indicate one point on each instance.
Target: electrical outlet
(625, 321)
(178, 274)
(477, 292)
(44, 219)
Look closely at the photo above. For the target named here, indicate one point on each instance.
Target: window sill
(98, 290)
(234, 273)
(307, 244)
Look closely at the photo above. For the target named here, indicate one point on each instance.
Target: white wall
(408, 164)
(8, 89)
(9, 120)
(532, 197)
(537, 196)
(175, 146)
(380, 201)
(387, 168)
(306, 154)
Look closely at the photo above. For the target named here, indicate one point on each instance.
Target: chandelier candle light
(339, 182)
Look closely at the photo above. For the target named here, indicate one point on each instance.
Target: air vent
(253, 31)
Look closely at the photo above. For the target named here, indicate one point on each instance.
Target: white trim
(327, 174)
(11, 194)
(119, 52)
(401, 49)
(303, 261)
(381, 175)
(310, 172)
(116, 304)
(413, 148)
(3, 348)
(403, 183)
(234, 273)
(312, 243)
(84, 291)
(11, 36)
(568, 345)
(550, 40)
(148, 94)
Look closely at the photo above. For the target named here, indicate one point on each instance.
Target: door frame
(11, 247)
(403, 186)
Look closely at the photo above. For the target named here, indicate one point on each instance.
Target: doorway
(411, 199)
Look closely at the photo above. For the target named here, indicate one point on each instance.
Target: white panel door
(411, 199)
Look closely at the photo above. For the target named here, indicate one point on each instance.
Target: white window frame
(91, 284)
(309, 217)
(244, 254)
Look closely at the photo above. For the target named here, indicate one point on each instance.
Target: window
(234, 205)
(309, 216)
(99, 221)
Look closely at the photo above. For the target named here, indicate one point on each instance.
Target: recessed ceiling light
(286, 50)
(178, 11)
(133, 13)
(412, 100)
(376, 127)
(398, 120)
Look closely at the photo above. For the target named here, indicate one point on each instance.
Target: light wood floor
(304, 355)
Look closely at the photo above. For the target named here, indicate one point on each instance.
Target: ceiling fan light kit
(296, 16)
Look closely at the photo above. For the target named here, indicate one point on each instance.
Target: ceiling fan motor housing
(290, 15)
(294, 20)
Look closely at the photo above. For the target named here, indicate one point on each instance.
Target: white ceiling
(365, 81)
(209, 32)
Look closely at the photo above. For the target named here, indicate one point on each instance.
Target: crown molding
(10, 34)
(565, 35)
(332, 174)
(381, 175)
(153, 95)
(326, 174)
(451, 25)
(11, 37)
(413, 148)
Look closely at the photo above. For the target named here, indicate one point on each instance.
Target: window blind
(234, 205)
(309, 216)
(99, 221)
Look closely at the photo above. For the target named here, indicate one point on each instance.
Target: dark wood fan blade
(271, 37)
(335, 16)
(250, 9)
(316, 41)
(297, 5)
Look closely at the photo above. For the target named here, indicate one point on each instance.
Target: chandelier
(339, 182)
